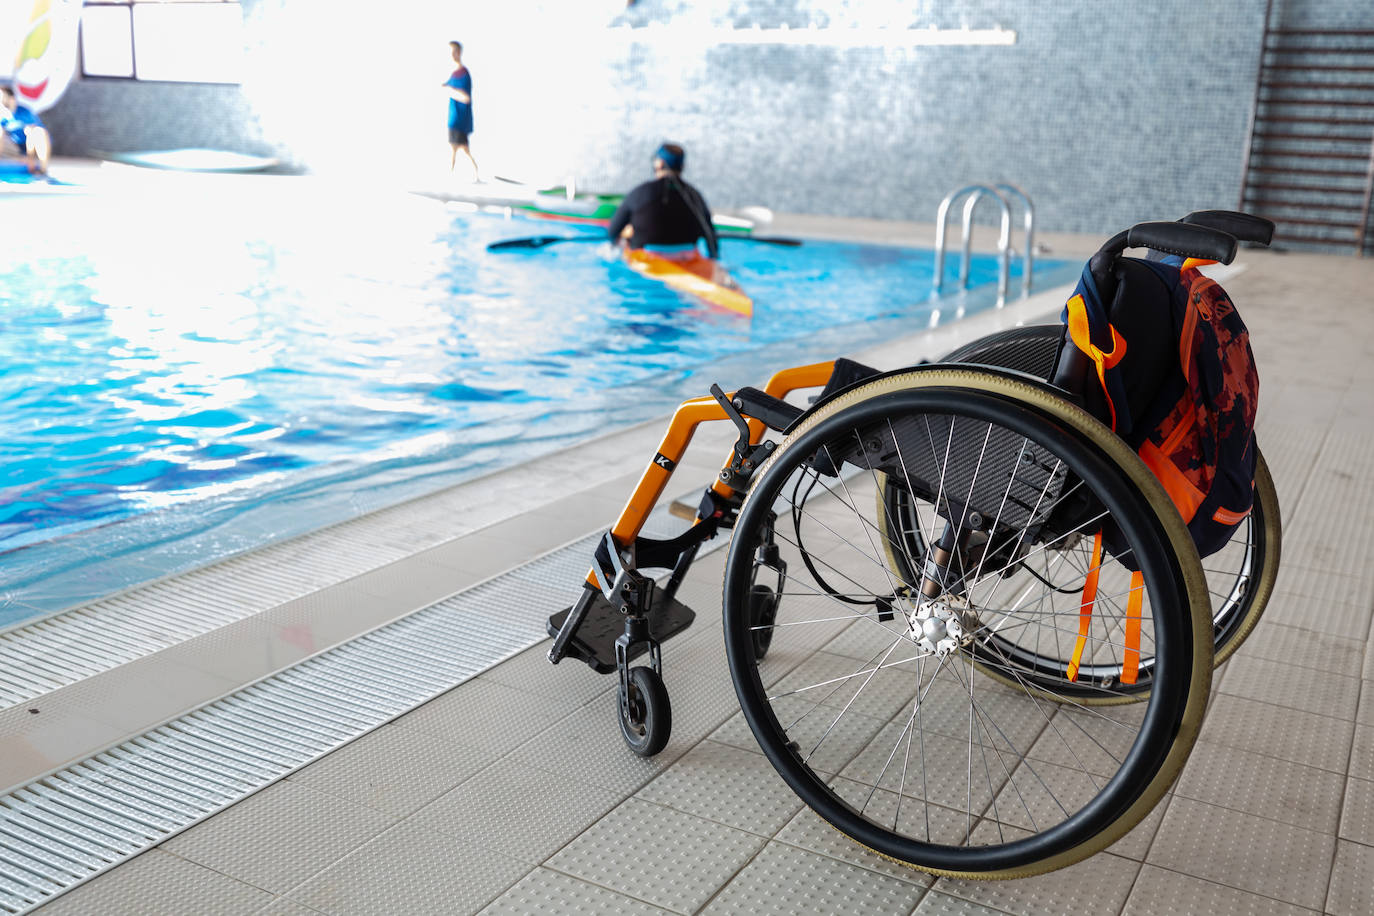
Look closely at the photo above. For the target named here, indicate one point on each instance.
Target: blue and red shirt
(15, 124)
(459, 113)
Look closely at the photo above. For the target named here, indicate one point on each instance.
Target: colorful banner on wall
(46, 60)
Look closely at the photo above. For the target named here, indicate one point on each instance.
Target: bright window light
(189, 42)
(107, 41)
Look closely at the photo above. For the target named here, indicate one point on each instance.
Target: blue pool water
(175, 362)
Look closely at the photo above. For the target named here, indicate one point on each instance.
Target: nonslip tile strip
(73, 825)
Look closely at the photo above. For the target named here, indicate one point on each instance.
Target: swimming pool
(193, 367)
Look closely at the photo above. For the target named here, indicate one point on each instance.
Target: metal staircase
(1309, 161)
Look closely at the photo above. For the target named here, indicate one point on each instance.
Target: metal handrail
(1028, 256)
(976, 192)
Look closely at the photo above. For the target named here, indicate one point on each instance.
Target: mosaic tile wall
(1105, 112)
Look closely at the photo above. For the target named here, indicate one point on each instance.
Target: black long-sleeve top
(665, 211)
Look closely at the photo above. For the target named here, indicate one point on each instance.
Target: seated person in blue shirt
(23, 129)
(666, 212)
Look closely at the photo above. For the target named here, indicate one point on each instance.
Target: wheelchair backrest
(1162, 356)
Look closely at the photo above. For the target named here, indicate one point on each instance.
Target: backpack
(1171, 371)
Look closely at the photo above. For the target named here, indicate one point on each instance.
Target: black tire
(907, 746)
(1241, 575)
(763, 611)
(646, 717)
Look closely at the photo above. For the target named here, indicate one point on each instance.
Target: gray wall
(1106, 112)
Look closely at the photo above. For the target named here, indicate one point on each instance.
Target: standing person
(25, 130)
(459, 87)
(666, 211)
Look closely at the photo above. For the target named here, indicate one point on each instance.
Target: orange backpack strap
(1130, 656)
(1080, 332)
(1085, 608)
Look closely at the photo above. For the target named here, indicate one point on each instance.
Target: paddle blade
(763, 239)
(537, 241)
(540, 241)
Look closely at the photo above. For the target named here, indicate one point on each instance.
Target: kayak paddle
(541, 241)
(765, 239)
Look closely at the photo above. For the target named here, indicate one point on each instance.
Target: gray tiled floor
(512, 792)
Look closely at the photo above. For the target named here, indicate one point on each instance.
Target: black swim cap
(672, 156)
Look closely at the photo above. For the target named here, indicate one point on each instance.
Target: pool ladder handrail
(975, 193)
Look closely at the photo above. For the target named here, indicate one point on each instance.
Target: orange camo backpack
(1172, 373)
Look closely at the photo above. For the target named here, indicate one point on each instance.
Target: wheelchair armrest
(1244, 226)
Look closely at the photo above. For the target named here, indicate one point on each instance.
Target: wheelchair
(927, 640)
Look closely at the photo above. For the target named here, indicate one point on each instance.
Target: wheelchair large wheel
(873, 702)
(1240, 579)
(1241, 575)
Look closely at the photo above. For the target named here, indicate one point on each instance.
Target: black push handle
(1188, 240)
(1244, 226)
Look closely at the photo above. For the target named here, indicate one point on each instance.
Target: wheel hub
(940, 625)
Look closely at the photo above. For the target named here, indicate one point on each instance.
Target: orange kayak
(693, 274)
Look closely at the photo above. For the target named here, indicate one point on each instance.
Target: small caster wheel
(646, 719)
(763, 610)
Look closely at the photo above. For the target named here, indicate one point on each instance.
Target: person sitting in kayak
(24, 130)
(665, 214)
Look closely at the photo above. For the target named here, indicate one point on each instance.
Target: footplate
(594, 641)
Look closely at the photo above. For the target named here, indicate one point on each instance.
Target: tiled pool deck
(511, 792)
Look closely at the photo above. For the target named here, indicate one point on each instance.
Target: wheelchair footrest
(594, 641)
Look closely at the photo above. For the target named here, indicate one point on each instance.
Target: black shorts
(457, 137)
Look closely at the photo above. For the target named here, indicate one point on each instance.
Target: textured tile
(725, 784)
(464, 715)
(1305, 648)
(938, 904)
(949, 774)
(1092, 739)
(809, 831)
(1291, 686)
(1165, 893)
(285, 906)
(590, 739)
(1334, 605)
(1365, 716)
(1278, 731)
(280, 836)
(1352, 893)
(1136, 844)
(691, 858)
(568, 683)
(1104, 879)
(701, 703)
(158, 883)
(1243, 851)
(546, 891)
(850, 735)
(784, 880)
(411, 869)
(1362, 754)
(1266, 786)
(518, 811)
(395, 770)
(1357, 819)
